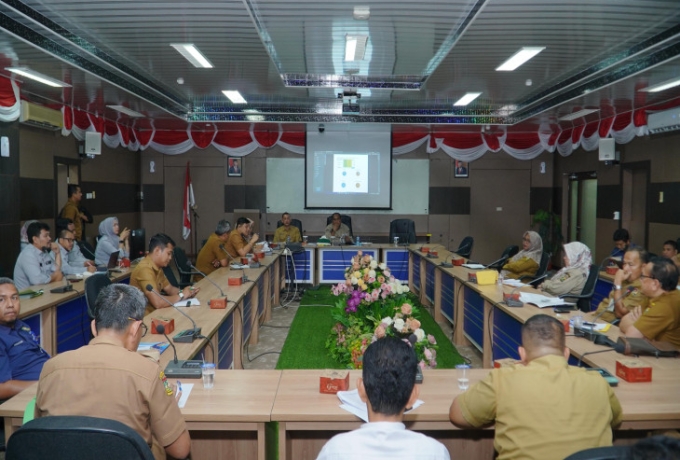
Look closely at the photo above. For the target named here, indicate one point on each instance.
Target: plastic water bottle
(288, 240)
(358, 241)
(499, 285)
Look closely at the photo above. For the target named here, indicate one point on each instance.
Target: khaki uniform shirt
(146, 272)
(569, 282)
(105, 380)
(519, 268)
(544, 410)
(71, 211)
(632, 300)
(234, 243)
(343, 230)
(661, 319)
(209, 252)
(281, 234)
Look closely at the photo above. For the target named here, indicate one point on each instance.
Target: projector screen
(348, 166)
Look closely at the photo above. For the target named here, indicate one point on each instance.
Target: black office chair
(405, 229)
(542, 269)
(601, 453)
(172, 279)
(347, 220)
(86, 249)
(588, 290)
(294, 222)
(93, 286)
(84, 438)
(185, 272)
(465, 247)
(508, 252)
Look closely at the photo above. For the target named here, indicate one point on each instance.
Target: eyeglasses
(648, 277)
(70, 240)
(145, 329)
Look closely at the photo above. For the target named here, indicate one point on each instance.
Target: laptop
(113, 263)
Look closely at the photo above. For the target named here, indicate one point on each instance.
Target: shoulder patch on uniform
(565, 277)
(166, 384)
(26, 328)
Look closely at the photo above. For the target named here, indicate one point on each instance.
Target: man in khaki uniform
(286, 231)
(150, 272)
(211, 256)
(660, 320)
(237, 246)
(71, 211)
(109, 379)
(626, 293)
(543, 408)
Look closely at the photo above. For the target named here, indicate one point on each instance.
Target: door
(583, 209)
(67, 171)
(635, 180)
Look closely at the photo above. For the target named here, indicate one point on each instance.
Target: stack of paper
(541, 301)
(188, 302)
(352, 403)
(474, 266)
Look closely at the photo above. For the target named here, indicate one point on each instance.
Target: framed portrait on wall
(461, 169)
(235, 167)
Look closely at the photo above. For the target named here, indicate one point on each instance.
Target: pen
(179, 386)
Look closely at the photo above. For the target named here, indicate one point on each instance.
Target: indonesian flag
(188, 203)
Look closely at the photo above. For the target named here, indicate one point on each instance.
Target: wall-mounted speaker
(608, 150)
(93, 143)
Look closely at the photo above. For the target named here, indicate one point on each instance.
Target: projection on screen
(348, 170)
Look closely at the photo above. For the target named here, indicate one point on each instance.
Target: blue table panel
(507, 335)
(397, 261)
(34, 322)
(473, 324)
(247, 316)
(448, 299)
(225, 343)
(335, 261)
(602, 290)
(73, 325)
(429, 281)
(301, 265)
(416, 272)
(261, 301)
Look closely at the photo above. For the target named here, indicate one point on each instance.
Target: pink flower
(348, 283)
(375, 295)
(422, 365)
(360, 253)
(428, 354)
(431, 339)
(356, 266)
(412, 324)
(406, 309)
(384, 294)
(371, 279)
(380, 331)
(381, 279)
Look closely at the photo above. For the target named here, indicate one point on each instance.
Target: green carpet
(305, 344)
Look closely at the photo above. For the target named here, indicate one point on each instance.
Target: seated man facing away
(388, 388)
(109, 379)
(627, 293)
(287, 233)
(621, 239)
(660, 320)
(211, 257)
(34, 264)
(542, 408)
(21, 357)
(670, 251)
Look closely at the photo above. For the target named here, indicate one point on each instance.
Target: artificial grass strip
(305, 345)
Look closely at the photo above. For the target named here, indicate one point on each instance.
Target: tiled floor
(265, 354)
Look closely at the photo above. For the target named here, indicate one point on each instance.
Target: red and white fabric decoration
(189, 203)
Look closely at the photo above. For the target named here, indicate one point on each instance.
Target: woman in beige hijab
(526, 261)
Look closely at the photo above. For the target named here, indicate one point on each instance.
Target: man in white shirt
(388, 388)
(66, 242)
(35, 265)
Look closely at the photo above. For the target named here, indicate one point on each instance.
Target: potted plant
(549, 226)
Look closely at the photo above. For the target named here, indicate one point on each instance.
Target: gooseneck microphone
(206, 277)
(611, 307)
(160, 328)
(186, 336)
(465, 246)
(244, 278)
(494, 262)
(181, 369)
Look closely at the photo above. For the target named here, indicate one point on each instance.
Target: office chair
(172, 279)
(465, 248)
(600, 453)
(185, 273)
(84, 438)
(587, 291)
(345, 219)
(508, 252)
(86, 249)
(294, 222)
(93, 286)
(405, 229)
(542, 269)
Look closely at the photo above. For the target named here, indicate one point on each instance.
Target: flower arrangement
(373, 304)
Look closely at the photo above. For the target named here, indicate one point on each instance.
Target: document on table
(541, 301)
(186, 391)
(237, 266)
(188, 302)
(352, 403)
(514, 283)
(474, 266)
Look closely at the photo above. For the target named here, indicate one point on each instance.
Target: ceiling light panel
(39, 77)
(579, 114)
(127, 111)
(465, 100)
(193, 55)
(519, 58)
(662, 86)
(235, 97)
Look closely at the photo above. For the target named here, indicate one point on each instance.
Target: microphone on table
(537, 279)
(465, 246)
(612, 302)
(183, 369)
(446, 264)
(188, 335)
(87, 250)
(494, 262)
(244, 278)
(206, 277)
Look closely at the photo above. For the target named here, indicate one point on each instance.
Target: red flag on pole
(189, 202)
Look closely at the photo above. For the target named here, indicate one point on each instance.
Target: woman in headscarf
(526, 261)
(111, 241)
(24, 235)
(573, 276)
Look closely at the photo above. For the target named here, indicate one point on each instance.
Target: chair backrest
(465, 247)
(84, 438)
(93, 286)
(180, 258)
(507, 253)
(589, 288)
(542, 268)
(294, 222)
(600, 453)
(86, 249)
(170, 275)
(347, 220)
(405, 229)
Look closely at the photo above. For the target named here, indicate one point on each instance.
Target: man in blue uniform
(21, 357)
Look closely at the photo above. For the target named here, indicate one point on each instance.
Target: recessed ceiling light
(126, 111)
(465, 100)
(33, 75)
(235, 97)
(355, 47)
(579, 114)
(362, 13)
(192, 54)
(662, 86)
(520, 57)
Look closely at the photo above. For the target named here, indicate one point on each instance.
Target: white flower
(354, 281)
(399, 324)
(371, 273)
(382, 266)
(373, 264)
(404, 288)
(420, 334)
(387, 321)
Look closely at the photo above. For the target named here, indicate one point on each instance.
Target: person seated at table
(21, 357)
(336, 229)
(626, 293)
(526, 261)
(621, 239)
(66, 243)
(149, 272)
(387, 386)
(75, 255)
(542, 408)
(111, 241)
(287, 233)
(660, 320)
(237, 245)
(573, 276)
(23, 235)
(670, 251)
(108, 378)
(35, 265)
(211, 257)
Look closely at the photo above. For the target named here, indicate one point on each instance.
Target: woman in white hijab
(573, 276)
(110, 241)
(526, 261)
